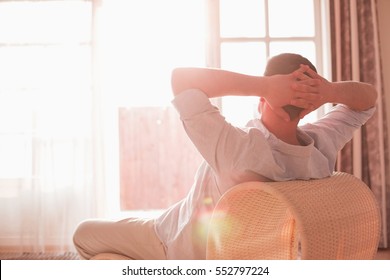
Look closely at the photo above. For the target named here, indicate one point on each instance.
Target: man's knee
(81, 231)
(81, 236)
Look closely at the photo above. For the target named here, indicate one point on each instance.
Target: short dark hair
(287, 63)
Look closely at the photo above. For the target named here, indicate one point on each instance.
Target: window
(45, 64)
(142, 41)
(248, 32)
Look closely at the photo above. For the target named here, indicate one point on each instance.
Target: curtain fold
(356, 56)
(52, 128)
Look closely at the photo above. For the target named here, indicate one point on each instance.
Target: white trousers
(133, 237)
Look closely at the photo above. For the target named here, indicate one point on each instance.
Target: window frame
(320, 39)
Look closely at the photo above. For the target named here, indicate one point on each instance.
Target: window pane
(248, 58)
(239, 110)
(143, 41)
(291, 18)
(304, 48)
(40, 66)
(45, 21)
(244, 18)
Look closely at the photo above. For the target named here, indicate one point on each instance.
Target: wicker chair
(331, 218)
(109, 256)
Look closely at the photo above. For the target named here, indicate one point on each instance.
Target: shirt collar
(278, 144)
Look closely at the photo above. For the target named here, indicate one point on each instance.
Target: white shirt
(234, 155)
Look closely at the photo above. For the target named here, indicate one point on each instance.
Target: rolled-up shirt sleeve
(340, 122)
(221, 144)
(191, 102)
(336, 128)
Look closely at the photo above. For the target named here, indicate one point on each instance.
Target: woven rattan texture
(109, 256)
(335, 218)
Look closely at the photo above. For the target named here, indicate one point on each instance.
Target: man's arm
(217, 82)
(278, 90)
(358, 96)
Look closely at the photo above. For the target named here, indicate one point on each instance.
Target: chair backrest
(331, 218)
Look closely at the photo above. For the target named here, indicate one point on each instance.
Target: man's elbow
(369, 98)
(373, 93)
(178, 81)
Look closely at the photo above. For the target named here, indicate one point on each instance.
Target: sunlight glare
(143, 41)
(291, 18)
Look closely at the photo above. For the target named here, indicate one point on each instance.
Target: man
(272, 148)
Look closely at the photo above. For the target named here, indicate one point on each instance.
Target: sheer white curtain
(51, 147)
(66, 68)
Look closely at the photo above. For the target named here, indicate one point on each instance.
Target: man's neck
(285, 131)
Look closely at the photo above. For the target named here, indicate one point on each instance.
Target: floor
(39, 256)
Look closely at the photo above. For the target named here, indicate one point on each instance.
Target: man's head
(287, 63)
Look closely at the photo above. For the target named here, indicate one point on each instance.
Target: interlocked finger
(300, 74)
